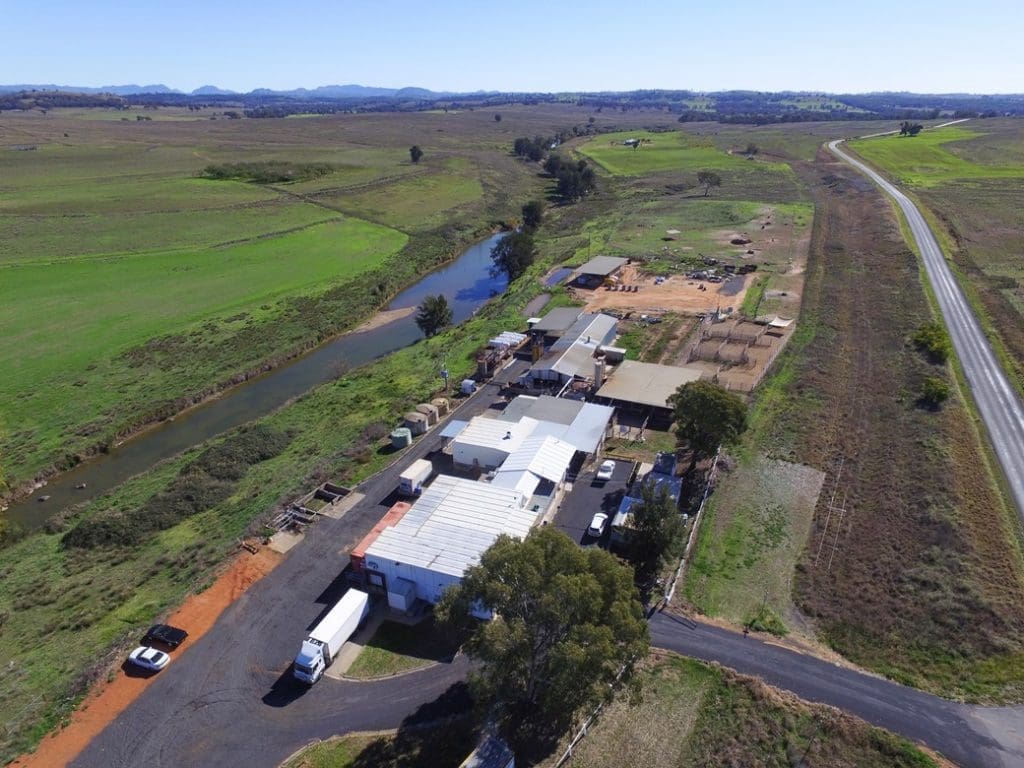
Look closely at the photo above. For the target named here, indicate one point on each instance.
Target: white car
(597, 525)
(606, 470)
(149, 658)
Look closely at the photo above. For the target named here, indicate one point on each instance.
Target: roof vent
(508, 435)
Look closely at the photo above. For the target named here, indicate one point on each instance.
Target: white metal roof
(547, 457)
(574, 421)
(647, 383)
(495, 433)
(452, 524)
(590, 329)
(507, 339)
(521, 480)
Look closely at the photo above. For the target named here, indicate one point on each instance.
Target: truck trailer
(324, 642)
(411, 481)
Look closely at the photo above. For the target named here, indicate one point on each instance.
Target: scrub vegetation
(968, 178)
(693, 714)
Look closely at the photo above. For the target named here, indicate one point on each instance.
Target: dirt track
(197, 614)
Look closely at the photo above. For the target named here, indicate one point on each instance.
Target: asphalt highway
(997, 401)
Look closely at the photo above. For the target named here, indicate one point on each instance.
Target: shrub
(202, 484)
(934, 392)
(932, 339)
(269, 172)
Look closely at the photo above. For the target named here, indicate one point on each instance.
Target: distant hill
(117, 90)
(212, 90)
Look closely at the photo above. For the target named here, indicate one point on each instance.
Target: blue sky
(867, 45)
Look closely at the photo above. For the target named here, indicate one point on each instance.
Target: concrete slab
(282, 541)
(338, 509)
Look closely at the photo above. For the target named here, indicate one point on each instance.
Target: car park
(606, 470)
(597, 525)
(166, 634)
(149, 658)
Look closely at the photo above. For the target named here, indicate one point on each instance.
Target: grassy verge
(398, 648)
(755, 528)
(694, 714)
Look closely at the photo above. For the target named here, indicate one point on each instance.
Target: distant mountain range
(324, 91)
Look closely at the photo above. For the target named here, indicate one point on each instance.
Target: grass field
(935, 157)
(695, 715)
(68, 322)
(755, 529)
(130, 287)
(676, 151)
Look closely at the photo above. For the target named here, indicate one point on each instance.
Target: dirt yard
(676, 294)
(104, 703)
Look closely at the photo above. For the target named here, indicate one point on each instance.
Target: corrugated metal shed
(647, 383)
(547, 457)
(574, 421)
(558, 320)
(452, 524)
(601, 265)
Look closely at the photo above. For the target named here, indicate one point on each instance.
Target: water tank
(598, 371)
(401, 437)
(430, 411)
(441, 403)
(416, 422)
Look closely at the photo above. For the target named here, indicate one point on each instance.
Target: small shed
(416, 422)
(430, 411)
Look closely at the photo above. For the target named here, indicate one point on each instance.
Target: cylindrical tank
(401, 437)
(430, 411)
(416, 422)
(441, 403)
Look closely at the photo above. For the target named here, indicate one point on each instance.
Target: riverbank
(272, 385)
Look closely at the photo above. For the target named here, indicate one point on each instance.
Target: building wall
(468, 455)
(429, 584)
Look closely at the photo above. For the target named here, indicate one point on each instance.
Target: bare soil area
(676, 294)
(104, 703)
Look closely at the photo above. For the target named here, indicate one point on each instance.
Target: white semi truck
(324, 642)
(410, 482)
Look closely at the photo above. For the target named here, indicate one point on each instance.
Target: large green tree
(533, 214)
(707, 416)
(567, 629)
(513, 255)
(435, 314)
(654, 532)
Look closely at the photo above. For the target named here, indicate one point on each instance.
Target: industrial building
(484, 443)
(637, 385)
(573, 354)
(582, 424)
(430, 546)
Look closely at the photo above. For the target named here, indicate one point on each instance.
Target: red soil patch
(107, 700)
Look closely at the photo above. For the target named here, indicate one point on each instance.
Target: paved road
(973, 737)
(229, 699)
(997, 401)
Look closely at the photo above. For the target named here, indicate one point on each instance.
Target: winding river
(465, 282)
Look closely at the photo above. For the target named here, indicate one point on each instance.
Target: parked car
(606, 470)
(149, 658)
(597, 525)
(166, 634)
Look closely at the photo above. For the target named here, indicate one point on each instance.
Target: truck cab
(309, 663)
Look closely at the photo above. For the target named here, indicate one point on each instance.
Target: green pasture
(934, 157)
(46, 238)
(66, 323)
(414, 203)
(670, 151)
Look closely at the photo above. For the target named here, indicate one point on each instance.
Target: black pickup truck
(166, 634)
